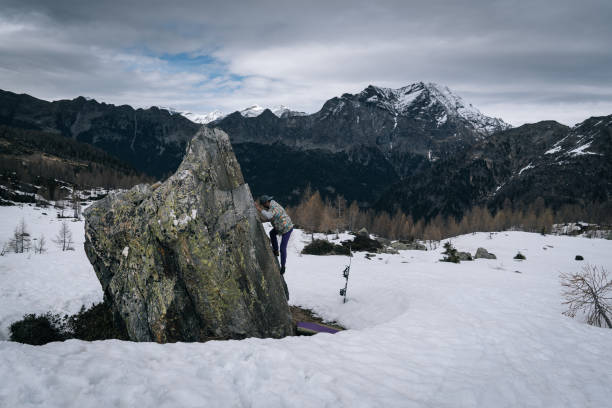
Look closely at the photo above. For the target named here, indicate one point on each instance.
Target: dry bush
(589, 292)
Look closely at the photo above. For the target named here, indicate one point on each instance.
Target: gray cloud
(523, 61)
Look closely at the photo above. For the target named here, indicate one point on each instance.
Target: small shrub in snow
(579, 258)
(323, 247)
(520, 256)
(38, 329)
(362, 243)
(590, 292)
(451, 254)
(95, 323)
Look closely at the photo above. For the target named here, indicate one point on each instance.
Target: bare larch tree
(63, 239)
(20, 242)
(40, 246)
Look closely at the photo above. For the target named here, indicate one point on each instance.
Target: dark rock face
(189, 260)
(560, 164)
(151, 140)
(285, 172)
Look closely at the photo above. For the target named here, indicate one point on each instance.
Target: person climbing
(273, 212)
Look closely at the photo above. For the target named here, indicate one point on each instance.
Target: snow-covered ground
(487, 333)
(55, 281)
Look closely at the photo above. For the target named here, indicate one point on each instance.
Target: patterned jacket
(279, 218)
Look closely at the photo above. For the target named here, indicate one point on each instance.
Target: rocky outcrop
(388, 250)
(383, 241)
(464, 256)
(408, 245)
(541, 160)
(363, 233)
(483, 253)
(189, 260)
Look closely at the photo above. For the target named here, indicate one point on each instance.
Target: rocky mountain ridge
(152, 140)
(547, 160)
(418, 119)
(410, 100)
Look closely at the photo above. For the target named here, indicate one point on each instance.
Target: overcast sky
(523, 61)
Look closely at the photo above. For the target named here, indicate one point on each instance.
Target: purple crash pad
(314, 328)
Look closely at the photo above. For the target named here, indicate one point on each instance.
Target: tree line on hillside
(19, 141)
(318, 215)
(41, 158)
(41, 169)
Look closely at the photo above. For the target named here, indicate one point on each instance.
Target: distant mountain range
(420, 148)
(250, 112)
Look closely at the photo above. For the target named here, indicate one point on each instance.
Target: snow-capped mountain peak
(280, 111)
(409, 100)
(204, 118)
(250, 112)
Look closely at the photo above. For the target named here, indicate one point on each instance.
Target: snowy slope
(581, 139)
(487, 333)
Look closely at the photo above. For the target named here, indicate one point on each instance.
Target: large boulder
(189, 260)
(483, 253)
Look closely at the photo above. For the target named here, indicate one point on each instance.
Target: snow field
(422, 333)
(55, 281)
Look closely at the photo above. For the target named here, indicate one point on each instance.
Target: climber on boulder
(272, 211)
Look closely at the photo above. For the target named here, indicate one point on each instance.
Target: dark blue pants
(283, 246)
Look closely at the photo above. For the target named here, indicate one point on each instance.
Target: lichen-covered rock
(388, 250)
(464, 256)
(407, 245)
(363, 233)
(383, 241)
(189, 260)
(483, 253)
